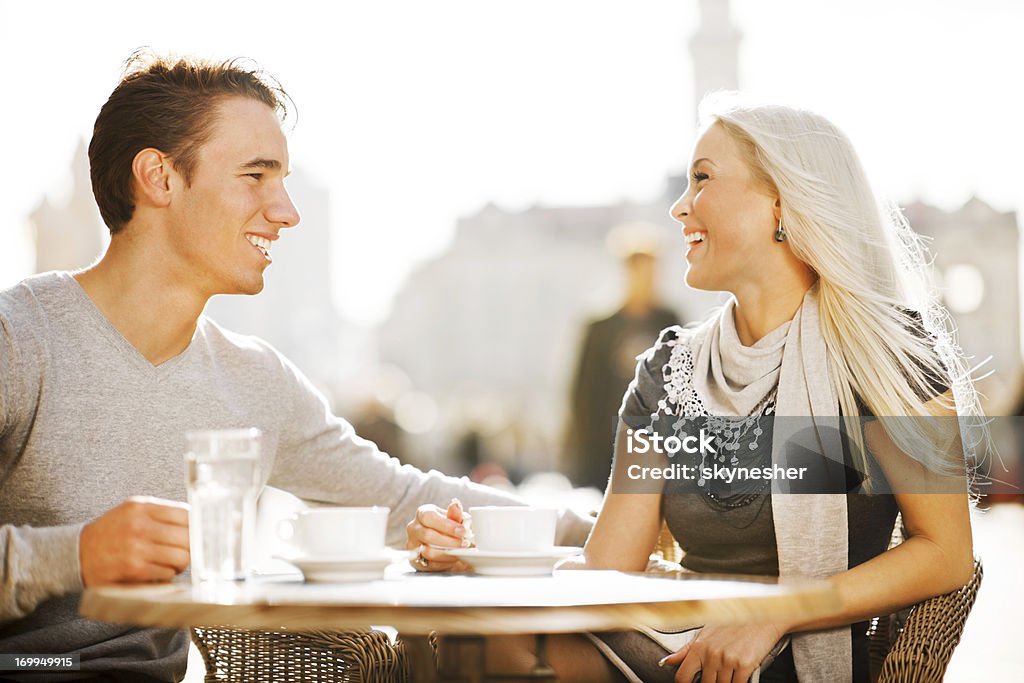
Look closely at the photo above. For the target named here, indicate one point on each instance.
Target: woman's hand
(436, 527)
(725, 654)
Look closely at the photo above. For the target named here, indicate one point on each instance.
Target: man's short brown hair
(168, 104)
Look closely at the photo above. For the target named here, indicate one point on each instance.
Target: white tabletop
(567, 601)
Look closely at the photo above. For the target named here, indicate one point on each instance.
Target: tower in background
(715, 55)
(715, 50)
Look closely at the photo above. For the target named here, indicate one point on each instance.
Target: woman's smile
(694, 240)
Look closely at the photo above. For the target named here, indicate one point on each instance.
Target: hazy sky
(414, 113)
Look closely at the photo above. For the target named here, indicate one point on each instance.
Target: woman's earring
(780, 234)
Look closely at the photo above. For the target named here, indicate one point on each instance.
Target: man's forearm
(36, 563)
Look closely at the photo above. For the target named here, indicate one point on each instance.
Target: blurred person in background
(607, 357)
(375, 421)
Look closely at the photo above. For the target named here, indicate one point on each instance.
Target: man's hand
(437, 527)
(141, 540)
(725, 653)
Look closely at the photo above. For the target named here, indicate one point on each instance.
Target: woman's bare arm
(937, 556)
(627, 528)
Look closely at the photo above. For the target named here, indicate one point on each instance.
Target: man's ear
(152, 171)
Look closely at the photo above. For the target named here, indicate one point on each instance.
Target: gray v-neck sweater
(86, 421)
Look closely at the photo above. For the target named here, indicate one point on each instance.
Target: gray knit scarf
(810, 529)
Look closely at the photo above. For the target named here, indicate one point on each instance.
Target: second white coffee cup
(336, 531)
(513, 528)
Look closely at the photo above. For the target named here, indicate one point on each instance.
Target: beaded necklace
(684, 404)
(734, 432)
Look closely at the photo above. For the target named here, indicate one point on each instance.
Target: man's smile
(261, 243)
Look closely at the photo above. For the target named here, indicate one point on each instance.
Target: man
(102, 372)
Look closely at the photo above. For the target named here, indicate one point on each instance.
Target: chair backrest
(244, 656)
(923, 644)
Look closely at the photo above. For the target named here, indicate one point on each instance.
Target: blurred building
(495, 320)
(69, 235)
(500, 314)
(498, 319)
(976, 250)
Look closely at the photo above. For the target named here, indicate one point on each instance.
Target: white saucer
(345, 568)
(513, 563)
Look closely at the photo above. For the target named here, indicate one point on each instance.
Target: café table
(465, 608)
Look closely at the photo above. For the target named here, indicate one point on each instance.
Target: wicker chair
(241, 656)
(922, 642)
(911, 646)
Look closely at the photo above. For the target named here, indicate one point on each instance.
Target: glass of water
(223, 480)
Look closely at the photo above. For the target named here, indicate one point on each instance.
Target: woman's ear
(151, 171)
(777, 210)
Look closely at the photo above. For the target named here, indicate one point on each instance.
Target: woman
(830, 322)
(830, 316)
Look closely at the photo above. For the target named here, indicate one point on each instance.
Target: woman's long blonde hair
(874, 279)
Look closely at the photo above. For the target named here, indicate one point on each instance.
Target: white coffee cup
(336, 531)
(513, 528)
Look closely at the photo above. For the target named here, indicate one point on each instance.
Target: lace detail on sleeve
(681, 400)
